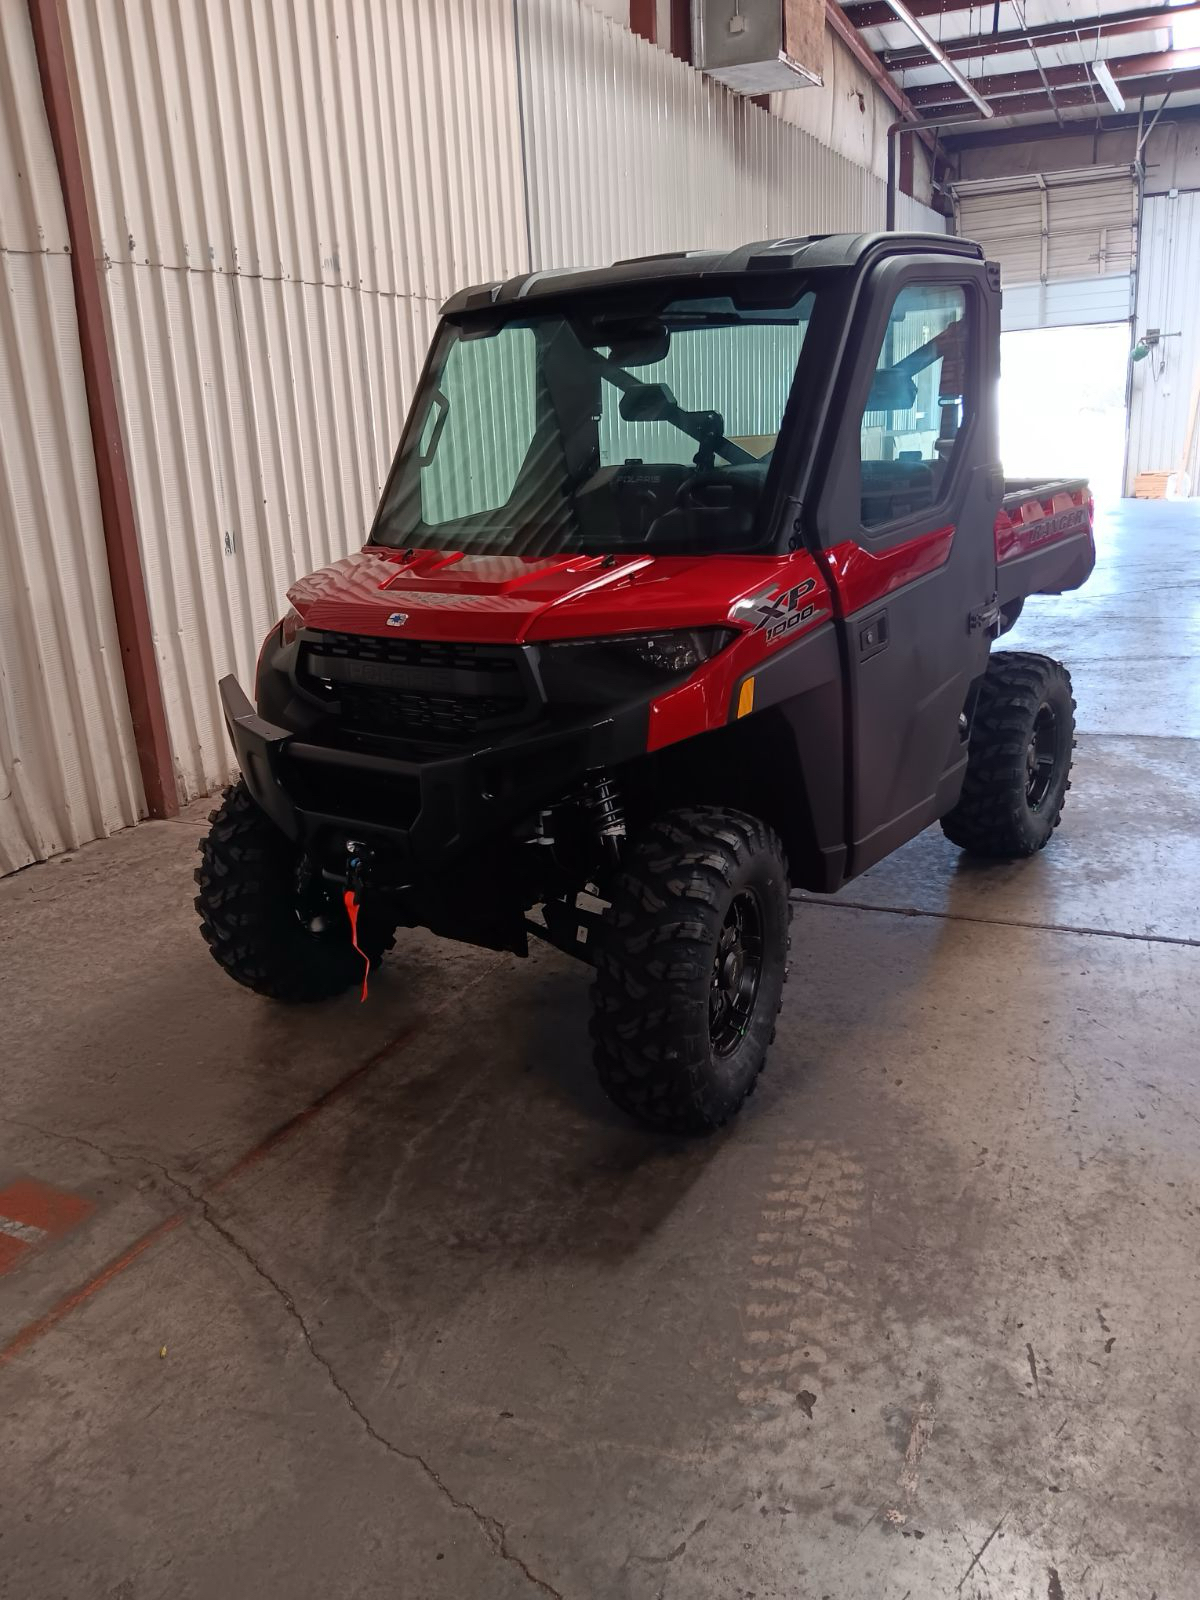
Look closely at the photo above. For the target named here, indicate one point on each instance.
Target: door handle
(873, 636)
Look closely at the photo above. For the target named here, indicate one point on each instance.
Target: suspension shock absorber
(604, 803)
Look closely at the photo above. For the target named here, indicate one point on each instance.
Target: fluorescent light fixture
(1108, 83)
(1185, 32)
(923, 36)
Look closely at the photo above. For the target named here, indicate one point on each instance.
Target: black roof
(818, 250)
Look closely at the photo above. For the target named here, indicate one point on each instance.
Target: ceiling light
(1106, 81)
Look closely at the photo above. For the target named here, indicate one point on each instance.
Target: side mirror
(891, 391)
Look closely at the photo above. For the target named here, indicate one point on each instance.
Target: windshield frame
(754, 294)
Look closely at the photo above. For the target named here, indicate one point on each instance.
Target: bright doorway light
(1062, 404)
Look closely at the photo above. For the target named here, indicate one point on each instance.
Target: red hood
(444, 594)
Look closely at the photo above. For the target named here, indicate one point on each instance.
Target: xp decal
(786, 611)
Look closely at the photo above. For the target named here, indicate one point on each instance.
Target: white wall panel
(373, 144)
(260, 419)
(68, 771)
(285, 194)
(849, 114)
(1168, 300)
(913, 217)
(631, 151)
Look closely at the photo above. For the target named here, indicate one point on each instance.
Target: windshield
(595, 429)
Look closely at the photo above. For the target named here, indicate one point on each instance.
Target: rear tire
(1019, 765)
(690, 969)
(253, 920)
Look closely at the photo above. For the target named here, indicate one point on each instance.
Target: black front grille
(395, 715)
(402, 652)
(417, 688)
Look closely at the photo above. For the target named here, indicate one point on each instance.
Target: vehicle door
(904, 520)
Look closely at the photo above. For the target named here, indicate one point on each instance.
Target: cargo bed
(1044, 541)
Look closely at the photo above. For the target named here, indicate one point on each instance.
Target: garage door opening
(1062, 404)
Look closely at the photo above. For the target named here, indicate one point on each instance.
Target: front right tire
(690, 968)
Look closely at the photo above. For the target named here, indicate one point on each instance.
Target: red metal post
(681, 29)
(132, 612)
(906, 163)
(643, 19)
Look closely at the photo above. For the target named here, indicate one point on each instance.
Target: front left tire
(265, 922)
(690, 969)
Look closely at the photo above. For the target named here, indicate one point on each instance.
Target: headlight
(283, 633)
(600, 671)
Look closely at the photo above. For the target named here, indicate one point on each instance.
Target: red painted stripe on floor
(37, 1205)
(33, 1331)
(11, 1251)
(293, 1125)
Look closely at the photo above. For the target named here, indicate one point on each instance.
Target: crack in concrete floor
(494, 1531)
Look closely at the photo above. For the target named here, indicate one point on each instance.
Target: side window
(916, 409)
(479, 427)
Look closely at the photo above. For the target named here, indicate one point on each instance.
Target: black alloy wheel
(737, 970)
(1041, 758)
(690, 967)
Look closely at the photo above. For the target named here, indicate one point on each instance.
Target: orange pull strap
(351, 900)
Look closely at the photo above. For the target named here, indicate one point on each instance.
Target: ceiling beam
(963, 140)
(954, 72)
(1142, 20)
(1015, 105)
(1003, 85)
(875, 13)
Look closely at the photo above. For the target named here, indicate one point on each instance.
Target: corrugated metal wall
(285, 194)
(1164, 382)
(630, 151)
(68, 771)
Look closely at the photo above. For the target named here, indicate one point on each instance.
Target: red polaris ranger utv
(681, 593)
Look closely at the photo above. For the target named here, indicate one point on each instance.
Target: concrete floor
(386, 1301)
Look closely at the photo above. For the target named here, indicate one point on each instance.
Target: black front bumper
(425, 811)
